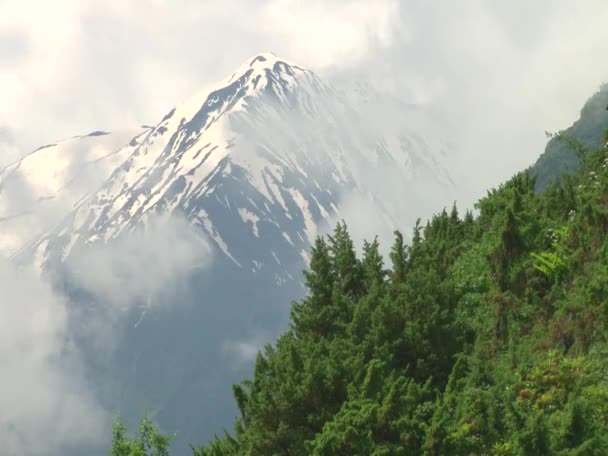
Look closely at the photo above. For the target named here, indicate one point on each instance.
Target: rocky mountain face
(589, 130)
(266, 154)
(196, 231)
(41, 188)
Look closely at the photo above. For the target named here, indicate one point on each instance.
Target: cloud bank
(37, 192)
(82, 65)
(492, 76)
(46, 403)
(142, 264)
(50, 403)
(121, 283)
(496, 75)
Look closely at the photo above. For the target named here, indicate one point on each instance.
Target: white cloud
(8, 148)
(241, 353)
(92, 65)
(44, 395)
(142, 265)
(39, 191)
(497, 74)
(49, 404)
(245, 351)
(321, 32)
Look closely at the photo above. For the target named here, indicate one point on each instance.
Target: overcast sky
(496, 74)
(493, 74)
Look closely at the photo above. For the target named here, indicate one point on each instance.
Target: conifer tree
(345, 265)
(372, 265)
(313, 315)
(399, 259)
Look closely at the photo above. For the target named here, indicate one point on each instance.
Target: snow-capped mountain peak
(266, 154)
(257, 165)
(252, 76)
(260, 64)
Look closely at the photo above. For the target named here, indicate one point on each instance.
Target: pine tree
(345, 265)
(372, 265)
(510, 245)
(399, 260)
(313, 315)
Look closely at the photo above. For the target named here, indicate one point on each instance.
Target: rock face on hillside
(589, 130)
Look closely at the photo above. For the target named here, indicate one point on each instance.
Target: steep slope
(589, 130)
(257, 165)
(487, 335)
(41, 188)
(272, 146)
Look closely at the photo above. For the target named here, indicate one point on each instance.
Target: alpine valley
(188, 238)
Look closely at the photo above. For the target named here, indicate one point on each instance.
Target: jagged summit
(264, 61)
(271, 144)
(257, 165)
(252, 76)
(263, 57)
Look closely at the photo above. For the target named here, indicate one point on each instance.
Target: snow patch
(287, 238)
(274, 255)
(203, 219)
(248, 216)
(310, 228)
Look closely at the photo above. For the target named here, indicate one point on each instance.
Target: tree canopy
(486, 335)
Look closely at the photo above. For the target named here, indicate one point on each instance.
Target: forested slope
(485, 336)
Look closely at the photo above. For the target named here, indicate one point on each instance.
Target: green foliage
(487, 336)
(552, 263)
(149, 441)
(220, 446)
(549, 263)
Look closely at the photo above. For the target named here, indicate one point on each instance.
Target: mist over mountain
(165, 262)
(168, 255)
(39, 189)
(179, 250)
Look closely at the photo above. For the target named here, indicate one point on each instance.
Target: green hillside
(486, 336)
(559, 157)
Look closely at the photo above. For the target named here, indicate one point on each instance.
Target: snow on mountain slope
(41, 188)
(258, 164)
(408, 128)
(263, 157)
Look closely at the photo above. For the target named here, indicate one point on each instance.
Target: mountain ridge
(47, 182)
(254, 166)
(201, 139)
(589, 130)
